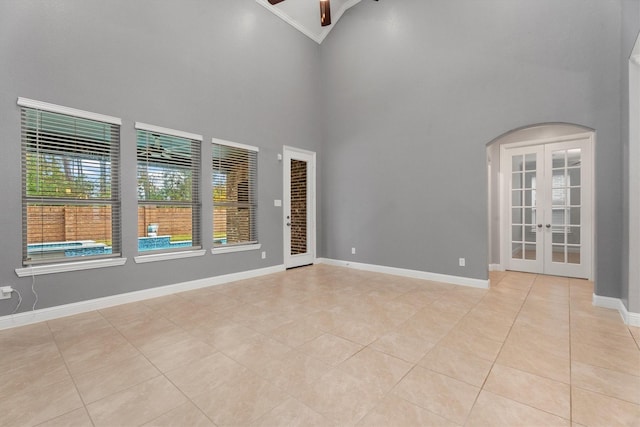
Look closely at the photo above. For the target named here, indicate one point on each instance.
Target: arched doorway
(541, 200)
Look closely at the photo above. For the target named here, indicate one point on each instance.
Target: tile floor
(329, 346)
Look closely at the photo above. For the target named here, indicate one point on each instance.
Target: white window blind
(70, 184)
(235, 194)
(168, 189)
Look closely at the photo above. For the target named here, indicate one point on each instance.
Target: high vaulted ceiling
(304, 15)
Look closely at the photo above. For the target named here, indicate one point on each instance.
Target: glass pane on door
(298, 207)
(523, 207)
(566, 198)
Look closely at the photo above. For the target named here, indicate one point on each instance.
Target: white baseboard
(496, 267)
(43, 314)
(416, 274)
(629, 318)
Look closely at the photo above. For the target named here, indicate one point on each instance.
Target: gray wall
(415, 90)
(225, 69)
(399, 102)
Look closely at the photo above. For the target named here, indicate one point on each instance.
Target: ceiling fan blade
(275, 1)
(325, 13)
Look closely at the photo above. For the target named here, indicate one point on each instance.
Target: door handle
(539, 225)
(548, 225)
(288, 224)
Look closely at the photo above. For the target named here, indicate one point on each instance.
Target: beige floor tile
(606, 381)
(613, 326)
(539, 309)
(294, 334)
(387, 315)
(185, 415)
(457, 364)
(265, 322)
(538, 392)
(340, 397)
(90, 354)
(535, 361)
(35, 404)
(78, 324)
(205, 374)
(603, 339)
(526, 335)
(489, 324)
(627, 361)
(246, 312)
(589, 312)
(544, 322)
(212, 300)
(635, 332)
(378, 369)
(451, 301)
(225, 334)
(407, 347)
(326, 320)
(25, 336)
(256, 353)
(121, 315)
(228, 347)
(396, 412)
(241, 402)
(193, 319)
(81, 339)
(178, 353)
(509, 307)
(445, 396)
(493, 410)
(289, 306)
(293, 370)
(75, 418)
(593, 409)
(168, 304)
(161, 340)
(430, 325)
(481, 347)
(330, 349)
(360, 331)
(19, 355)
(292, 413)
(39, 373)
(146, 331)
(136, 405)
(95, 385)
(420, 298)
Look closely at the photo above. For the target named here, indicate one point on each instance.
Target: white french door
(299, 207)
(548, 194)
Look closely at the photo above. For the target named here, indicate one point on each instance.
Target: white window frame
(190, 251)
(76, 263)
(246, 246)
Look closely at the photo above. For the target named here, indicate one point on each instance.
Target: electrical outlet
(461, 262)
(264, 254)
(5, 292)
(353, 251)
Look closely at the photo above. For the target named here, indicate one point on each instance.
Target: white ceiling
(304, 15)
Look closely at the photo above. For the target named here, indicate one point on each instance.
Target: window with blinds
(70, 188)
(235, 194)
(168, 189)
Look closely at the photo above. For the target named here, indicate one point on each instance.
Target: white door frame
(634, 180)
(505, 206)
(289, 153)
